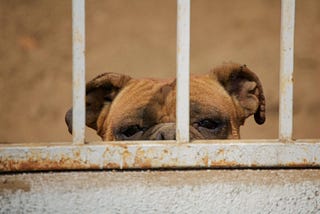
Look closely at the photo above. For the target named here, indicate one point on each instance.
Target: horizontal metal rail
(155, 155)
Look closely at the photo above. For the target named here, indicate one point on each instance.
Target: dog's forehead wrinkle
(201, 110)
(141, 92)
(160, 107)
(217, 100)
(143, 98)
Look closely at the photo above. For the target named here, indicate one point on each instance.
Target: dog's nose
(165, 132)
(166, 135)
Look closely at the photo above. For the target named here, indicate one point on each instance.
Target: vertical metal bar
(78, 70)
(286, 69)
(183, 70)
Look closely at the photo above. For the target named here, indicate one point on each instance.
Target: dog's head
(122, 108)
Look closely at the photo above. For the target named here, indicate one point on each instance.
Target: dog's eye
(131, 130)
(210, 124)
(213, 128)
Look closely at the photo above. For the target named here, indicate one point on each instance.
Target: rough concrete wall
(205, 191)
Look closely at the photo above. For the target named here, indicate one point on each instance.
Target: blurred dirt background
(139, 38)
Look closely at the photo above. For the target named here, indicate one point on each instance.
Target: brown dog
(122, 108)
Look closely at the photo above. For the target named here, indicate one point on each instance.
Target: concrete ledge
(204, 191)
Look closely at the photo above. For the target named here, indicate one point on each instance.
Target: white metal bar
(137, 155)
(183, 70)
(78, 72)
(286, 69)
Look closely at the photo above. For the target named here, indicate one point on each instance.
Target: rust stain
(220, 152)
(147, 164)
(33, 164)
(224, 163)
(164, 153)
(205, 160)
(304, 163)
(125, 158)
(141, 161)
(76, 153)
(254, 165)
(121, 145)
(111, 166)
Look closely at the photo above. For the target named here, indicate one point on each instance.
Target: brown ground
(138, 38)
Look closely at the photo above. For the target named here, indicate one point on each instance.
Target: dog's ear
(245, 87)
(100, 92)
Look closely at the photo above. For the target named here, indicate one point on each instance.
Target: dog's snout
(167, 131)
(166, 135)
(164, 132)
